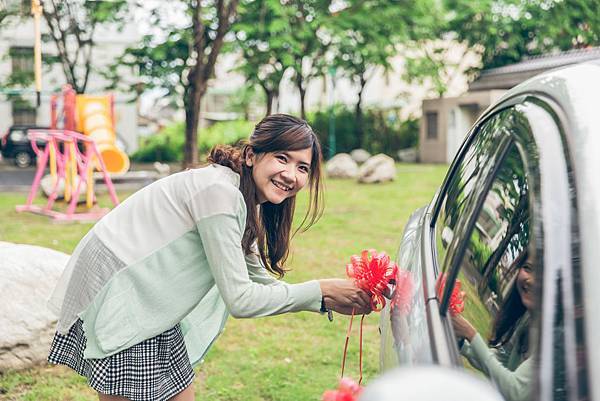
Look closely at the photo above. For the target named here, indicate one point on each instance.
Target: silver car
(512, 236)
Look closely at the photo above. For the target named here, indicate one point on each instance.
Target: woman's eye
(281, 158)
(304, 169)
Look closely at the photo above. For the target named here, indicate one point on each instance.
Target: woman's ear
(249, 157)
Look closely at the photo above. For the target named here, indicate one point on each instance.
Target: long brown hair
(511, 312)
(270, 225)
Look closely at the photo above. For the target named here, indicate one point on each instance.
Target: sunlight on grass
(285, 358)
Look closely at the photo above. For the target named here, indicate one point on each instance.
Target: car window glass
(17, 135)
(496, 276)
(465, 184)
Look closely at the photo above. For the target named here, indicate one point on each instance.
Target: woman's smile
(280, 175)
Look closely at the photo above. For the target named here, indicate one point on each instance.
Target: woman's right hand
(343, 296)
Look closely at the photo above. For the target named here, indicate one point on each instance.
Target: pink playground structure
(72, 167)
(71, 158)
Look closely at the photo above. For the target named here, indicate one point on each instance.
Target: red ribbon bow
(372, 276)
(402, 299)
(457, 297)
(348, 390)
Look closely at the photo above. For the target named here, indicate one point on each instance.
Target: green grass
(285, 358)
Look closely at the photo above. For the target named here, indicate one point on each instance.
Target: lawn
(285, 358)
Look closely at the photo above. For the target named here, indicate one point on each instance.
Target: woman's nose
(288, 173)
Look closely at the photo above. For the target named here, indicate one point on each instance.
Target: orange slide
(94, 119)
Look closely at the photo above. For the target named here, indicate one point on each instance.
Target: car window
(497, 276)
(497, 244)
(18, 135)
(465, 185)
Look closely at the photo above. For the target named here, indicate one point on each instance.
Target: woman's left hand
(462, 328)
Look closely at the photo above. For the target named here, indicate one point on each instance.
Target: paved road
(14, 179)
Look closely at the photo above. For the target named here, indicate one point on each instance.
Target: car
(16, 145)
(509, 244)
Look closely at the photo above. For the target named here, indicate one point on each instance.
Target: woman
(149, 288)
(508, 361)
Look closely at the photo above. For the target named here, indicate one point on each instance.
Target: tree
(261, 34)
(7, 11)
(364, 36)
(72, 25)
(306, 41)
(180, 56)
(504, 32)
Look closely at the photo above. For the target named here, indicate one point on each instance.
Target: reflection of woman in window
(507, 359)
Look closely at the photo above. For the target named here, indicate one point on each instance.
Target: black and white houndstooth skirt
(155, 369)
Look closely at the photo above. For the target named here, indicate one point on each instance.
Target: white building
(16, 53)
(447, 120)
(385, 90)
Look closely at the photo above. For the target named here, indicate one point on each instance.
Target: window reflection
(465, 184)
(497, 274)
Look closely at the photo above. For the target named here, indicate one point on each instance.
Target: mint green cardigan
(171, 254)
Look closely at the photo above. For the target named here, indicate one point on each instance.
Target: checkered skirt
(155, 369)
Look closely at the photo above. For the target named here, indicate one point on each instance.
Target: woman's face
(279, 175)
(525, 282)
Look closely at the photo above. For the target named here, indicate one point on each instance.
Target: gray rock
(408, 155)
(379, 168)
(360, 155)
(47, 185)
(29, 274)
(341, 166)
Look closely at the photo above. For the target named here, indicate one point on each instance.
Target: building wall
(456, 116)
(433, 149)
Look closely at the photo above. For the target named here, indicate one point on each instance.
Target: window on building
(431, 120)
(23, 115)
(22, 59)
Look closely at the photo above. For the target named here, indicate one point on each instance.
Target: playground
(80, 142)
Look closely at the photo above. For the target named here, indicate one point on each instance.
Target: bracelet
(324, 309)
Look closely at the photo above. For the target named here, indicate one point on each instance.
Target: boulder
(341, 166)
(379, 168)
(360, 155)
(29, 274)
(47, 185)
(408, 155)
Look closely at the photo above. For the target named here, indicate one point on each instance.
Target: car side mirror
(429, 383)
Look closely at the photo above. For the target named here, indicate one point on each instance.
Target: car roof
(576, 90)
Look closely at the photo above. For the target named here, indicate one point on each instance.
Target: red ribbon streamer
(372, 275)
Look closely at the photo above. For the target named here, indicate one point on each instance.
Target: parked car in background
(15, 145)
(517, 222)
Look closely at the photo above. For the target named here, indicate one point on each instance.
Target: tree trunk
(270, 97)
(302, 90)
(192, 119)
(358, 126)
(201, 69)
(302, 97)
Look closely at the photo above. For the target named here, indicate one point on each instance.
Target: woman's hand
(462, 328)
(343, 296)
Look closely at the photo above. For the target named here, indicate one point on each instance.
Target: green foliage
(507, 31)
(167, 145)
(480, 250)
(383, 129)
(262, 37)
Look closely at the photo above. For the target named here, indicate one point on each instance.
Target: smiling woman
(150, 287)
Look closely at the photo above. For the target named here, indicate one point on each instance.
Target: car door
(417, 335)
(521, 220)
